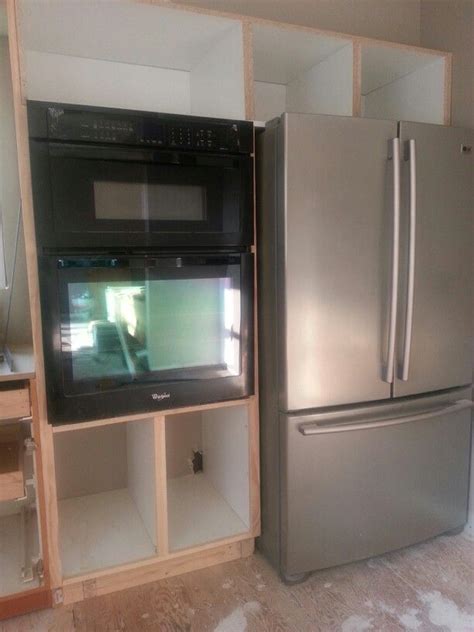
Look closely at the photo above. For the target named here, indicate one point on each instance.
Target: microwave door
(102, 196)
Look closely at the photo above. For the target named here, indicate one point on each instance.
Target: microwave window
(177, 327)
(149, 201)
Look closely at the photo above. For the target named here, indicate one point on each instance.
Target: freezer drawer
(383, 480)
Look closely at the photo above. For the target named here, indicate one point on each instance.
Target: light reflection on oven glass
(166, 325)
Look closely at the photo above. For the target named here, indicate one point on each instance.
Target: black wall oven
(146, 271)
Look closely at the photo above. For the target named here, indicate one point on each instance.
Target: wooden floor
(429, 587)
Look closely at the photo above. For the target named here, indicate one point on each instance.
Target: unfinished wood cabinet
(12, 479)
(208, 480)
(404, 83)
(147, 496)
(106, 490)
(133, 55)
(297, 70)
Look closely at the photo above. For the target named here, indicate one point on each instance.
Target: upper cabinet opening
(300, 71)
(133, 56)
(403, 84)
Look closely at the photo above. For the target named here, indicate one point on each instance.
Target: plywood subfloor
(426, 588)
(197, 513)
(101, 530)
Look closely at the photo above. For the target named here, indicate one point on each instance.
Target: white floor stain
(227, 584)
(356, 624)
(444, 612)
(383, 607)
(410, 620)
(237, 619)
(327, 585)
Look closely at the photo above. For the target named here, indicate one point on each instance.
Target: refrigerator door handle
(411, 262)
(315, 428)
(395, 156)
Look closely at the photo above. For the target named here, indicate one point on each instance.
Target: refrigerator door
(335, 239)
(434, 343)
(361, 482)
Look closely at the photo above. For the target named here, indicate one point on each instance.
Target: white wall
(450, 26)
(395, 20)
(19, 331)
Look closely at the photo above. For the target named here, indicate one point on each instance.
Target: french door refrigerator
(365, 336)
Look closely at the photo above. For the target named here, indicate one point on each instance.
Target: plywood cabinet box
(122, 502)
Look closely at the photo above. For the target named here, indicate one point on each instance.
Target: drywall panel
(226, 455)
(217, 79)
(183, 435)
(90, 461)
(396, 20)
(281, 55)
(269, 100)
(120, 31)
(141, 472)
(324, 89)
(110, 84)
(415, 97)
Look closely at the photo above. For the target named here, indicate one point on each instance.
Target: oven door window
(129, 191)
(168, 321)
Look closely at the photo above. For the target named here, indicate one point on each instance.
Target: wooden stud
(247, 547)
(356, 79)
(161, 486)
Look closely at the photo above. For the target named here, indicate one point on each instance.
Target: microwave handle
(132, 154)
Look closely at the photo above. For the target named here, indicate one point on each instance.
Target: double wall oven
(144, 226)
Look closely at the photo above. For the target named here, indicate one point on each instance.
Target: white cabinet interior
(133, 55)
(402, 84)
(207, 458)
(300, 71)
(105, 478)
(20, 549)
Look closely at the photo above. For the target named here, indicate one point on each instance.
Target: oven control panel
(97, 125)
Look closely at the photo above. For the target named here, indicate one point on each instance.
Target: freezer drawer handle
(315, 428)
(411, 262)
(395, 156)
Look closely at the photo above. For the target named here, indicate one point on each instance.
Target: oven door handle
(132, 154)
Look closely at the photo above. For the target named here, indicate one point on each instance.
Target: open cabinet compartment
(133, 55)
(105, 479)
(299, 71)
(20, 547)
(211, 503)
(402, 84)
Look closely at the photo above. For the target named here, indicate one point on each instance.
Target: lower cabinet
(149, 490)
(207, 459)
(106, 488)
(20, 550)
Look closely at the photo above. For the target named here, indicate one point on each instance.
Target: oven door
(89, 195)
(126, 335)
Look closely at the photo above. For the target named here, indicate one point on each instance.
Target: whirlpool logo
(159, 397)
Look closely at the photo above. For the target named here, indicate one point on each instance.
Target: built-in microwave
(126, 334)
(125, 179)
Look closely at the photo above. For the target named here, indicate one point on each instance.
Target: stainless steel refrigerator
(365, 335)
